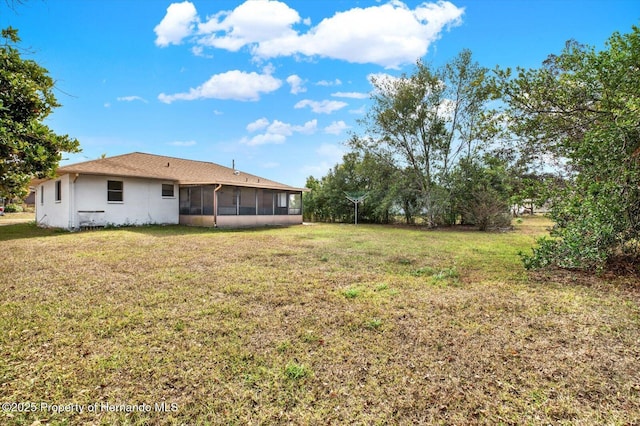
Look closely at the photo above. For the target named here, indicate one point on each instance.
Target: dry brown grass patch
(259, 327)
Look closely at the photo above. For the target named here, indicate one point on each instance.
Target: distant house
(139, 188)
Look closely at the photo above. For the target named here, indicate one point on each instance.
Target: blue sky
(275, 86)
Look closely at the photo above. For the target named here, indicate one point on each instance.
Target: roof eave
(245, 185)
(120, 175)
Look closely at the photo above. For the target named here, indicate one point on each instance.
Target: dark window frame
(58, 191)
(115, 195)
(168, 190)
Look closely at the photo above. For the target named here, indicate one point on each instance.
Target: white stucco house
(139, 189)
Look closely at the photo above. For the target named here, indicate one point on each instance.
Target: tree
(425, 122)
(582, 108)
(481, 192)
(355, 174)
(28, 148)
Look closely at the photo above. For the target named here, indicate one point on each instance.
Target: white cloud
(259, 124)
(199, 51)
(277, 131)
(389, 34)
(131, 99)
(336, 127)
(182, 143)
(446, 109)
(307, 128)
(265, 138)
(382, 79)
(321, 107)
(253, 22)
(297, 84)
(351, 95)
(328, 83)
(236, 85)
(178, 23)
(280, 128)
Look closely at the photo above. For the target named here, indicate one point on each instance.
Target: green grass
(322, 324)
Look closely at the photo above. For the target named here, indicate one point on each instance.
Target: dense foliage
(28, 148)
(358, 173)
(582, 108)
(568, 136)
(426, 122)
(427, 134)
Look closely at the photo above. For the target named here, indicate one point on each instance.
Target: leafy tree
(425, 122)
(582, 108)
(481, 192)
(28, 148)
(356, 173)
(311, 200)
(326, 201)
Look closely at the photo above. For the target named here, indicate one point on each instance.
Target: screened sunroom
(224, 205)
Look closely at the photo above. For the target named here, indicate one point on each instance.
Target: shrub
(590, 230)
(13, 208)
(487, 210)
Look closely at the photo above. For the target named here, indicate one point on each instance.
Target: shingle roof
(142, 165)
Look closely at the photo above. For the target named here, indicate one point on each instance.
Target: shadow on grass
(18, 231)
(176, 230)
(31, 230)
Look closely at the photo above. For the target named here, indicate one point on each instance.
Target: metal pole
(356, 212)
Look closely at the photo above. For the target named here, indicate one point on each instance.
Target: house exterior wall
(52, 212)
(84, 202)
(142, 202)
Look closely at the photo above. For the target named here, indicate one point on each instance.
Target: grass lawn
(321, 324)
(15, 218)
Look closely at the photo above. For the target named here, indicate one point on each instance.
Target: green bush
(13, 208)
(590, 230)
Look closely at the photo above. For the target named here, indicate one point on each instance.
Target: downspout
(215, 205)
(72, 202)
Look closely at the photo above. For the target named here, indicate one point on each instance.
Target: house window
(295, 203)
(185, 200)
(265, 201)
(115, 191)
(196, 200)
(227, 201)
(42, 195)
(58, 191)
(207, 200)
(281, 203)
(282, 199)
(247, 201)
(167, 190)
